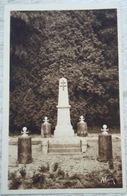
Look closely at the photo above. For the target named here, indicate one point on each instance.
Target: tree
(79, 45)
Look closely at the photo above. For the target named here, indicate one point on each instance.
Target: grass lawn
(66, 171)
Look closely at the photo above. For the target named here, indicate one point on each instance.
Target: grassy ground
(66, 171)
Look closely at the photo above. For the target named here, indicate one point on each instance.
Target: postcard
(63, 110)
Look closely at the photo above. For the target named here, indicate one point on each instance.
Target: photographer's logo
(109, 180)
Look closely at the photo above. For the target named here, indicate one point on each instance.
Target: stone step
(50, 145)
(64, 150)
(65, 153)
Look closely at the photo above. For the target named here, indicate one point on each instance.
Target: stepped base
(64, 150)
(74, 145)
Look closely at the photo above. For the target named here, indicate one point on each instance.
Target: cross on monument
(63, 84)
(104, 130)
(24, 131)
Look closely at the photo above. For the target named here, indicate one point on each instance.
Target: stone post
(82, 127)
(46, 128)
(84, 145)
(105, 145)
(24, 148)
(44, 146)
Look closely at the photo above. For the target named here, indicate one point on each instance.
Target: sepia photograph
(64, 102)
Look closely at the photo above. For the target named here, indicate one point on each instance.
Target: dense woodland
(79, 45)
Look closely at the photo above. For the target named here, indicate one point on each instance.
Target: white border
(54, 6)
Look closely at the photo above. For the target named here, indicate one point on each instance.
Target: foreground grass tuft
(53, 177)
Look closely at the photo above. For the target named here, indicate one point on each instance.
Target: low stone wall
(38, 139)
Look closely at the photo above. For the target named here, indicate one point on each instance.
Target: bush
(15, 181)
(52, 176)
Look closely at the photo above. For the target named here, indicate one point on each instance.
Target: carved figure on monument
(46, 128)
(63, 127)
(82, 127)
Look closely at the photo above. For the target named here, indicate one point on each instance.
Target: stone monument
(82, 127)
(63, 127)
(46, 128)
(64, 140)
(24, 147)
(105, 145)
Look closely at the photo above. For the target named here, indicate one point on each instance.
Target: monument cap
(24, 131)
(104, 130)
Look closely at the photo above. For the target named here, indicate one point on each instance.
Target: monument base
(64, 132)
(72, 145)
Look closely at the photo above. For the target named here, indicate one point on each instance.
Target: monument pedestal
(105, 147)
(24, 150)
(74, 145)
(82, 127)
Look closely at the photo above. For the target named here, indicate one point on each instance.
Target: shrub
(15, 181)
(44, 168)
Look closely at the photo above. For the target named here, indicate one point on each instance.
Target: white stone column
(63, 127)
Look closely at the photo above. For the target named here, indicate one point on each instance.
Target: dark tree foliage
(79, 45)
